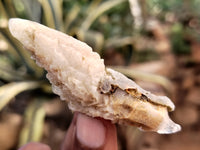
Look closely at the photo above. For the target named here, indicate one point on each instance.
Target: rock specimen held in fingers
(78, 75)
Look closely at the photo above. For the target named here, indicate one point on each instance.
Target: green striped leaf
(10, 90)
(105, 6)
(33, 123)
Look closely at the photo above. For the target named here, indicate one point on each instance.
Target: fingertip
(90, 132)
(35, 146)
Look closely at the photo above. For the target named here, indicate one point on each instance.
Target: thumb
(90, 133)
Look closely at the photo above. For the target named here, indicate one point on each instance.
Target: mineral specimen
(78, 75)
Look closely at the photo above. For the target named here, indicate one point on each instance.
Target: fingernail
(90, 132)
(35, 146)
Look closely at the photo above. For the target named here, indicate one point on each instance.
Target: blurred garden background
(154, 42)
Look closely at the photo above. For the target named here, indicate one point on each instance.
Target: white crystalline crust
(71, 64)
(78, 76)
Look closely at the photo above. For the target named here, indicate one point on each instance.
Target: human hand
(84, 133)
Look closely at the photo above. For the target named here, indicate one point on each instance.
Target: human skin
(84, 133)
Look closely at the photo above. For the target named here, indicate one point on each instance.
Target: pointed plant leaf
(93, 5)
(93, 38)
(10, 90)
(33, 9)
(71, 16)
(32, 68)
(57, 10)
(3, 16)
(105, 6)
(8, 71)
(10, 75)
(9, 49)
(48, 13)
(10, 9)
(33, 123)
